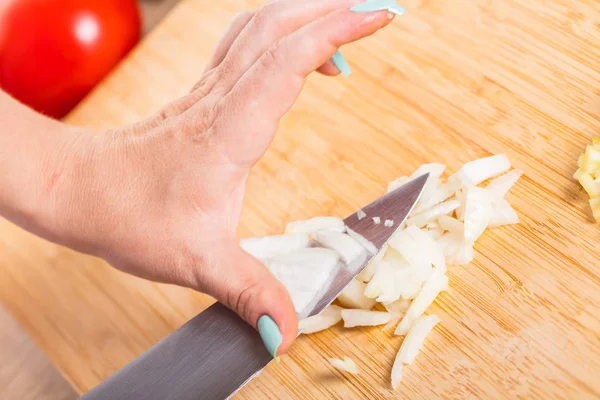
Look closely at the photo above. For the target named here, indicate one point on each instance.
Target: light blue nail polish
(341, 64)
(374, 5)
(270, 334)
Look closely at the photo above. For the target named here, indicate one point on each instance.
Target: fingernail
(269, 333)
(375, 5)
(397, 9)
(341, 64)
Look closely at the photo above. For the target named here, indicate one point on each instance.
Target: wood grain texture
(25, 372)
(450, 81)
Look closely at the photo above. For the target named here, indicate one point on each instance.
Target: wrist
(38, 176)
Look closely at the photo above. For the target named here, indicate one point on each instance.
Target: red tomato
(52, 52)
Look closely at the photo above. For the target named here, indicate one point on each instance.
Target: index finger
(270, 87)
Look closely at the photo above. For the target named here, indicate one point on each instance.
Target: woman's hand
(161, 199)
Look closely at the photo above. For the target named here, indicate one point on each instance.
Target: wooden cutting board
(450, 81)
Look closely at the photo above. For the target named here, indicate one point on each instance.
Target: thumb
(246, 286)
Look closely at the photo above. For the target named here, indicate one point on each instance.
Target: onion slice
(304, 273)
(370, 247)
(451, 225)
(412, 345)
(266, 247)
(354, 318)
(503, 214)
(475, 172)
(325, 320)
(420, 220)
(426, 296)
(477, 212)
(456, 249)
(502, 184)
(349, 249)
(396, 183)
(316, 224)
(367, 273)
(353, 296)
(345, 365)
(415, 337)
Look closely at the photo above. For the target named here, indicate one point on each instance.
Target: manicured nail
(375, 5)
(341, 64)
(269, 333)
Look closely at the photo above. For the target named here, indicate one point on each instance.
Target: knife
(215, 353)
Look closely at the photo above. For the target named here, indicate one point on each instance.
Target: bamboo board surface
(450, 81)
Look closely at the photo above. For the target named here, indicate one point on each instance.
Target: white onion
(503, 214)
(367, 273)
(316, 224)
(266, 247)
(399, 306)
(354, 318)
(442, 193)
(345, 365)
(353, 296)
(475, 172)
(408, 274)
(414, 339)
(429, 246)
(325, 320)
(426, 296)
(420, 220)
(380, 279)
(430, 187)
(304, 273)
(451, 225)
(397, 374)
(404, 326)
(370, 247)
(397, 310)
(502, 184)
(434, 171)
(456, 249)
(350, 250)
(477, 212)
(397, 278)
(388, 223)
(411, 249)
(396, 183)
(435, 233)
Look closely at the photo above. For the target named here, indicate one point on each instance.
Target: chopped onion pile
(409, 272)
(588, 175)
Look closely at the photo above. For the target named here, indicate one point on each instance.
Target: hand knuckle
(243, 301)
(271, 58)
(198, 122)
(267, 20)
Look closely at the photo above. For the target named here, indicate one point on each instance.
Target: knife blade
(215, 353)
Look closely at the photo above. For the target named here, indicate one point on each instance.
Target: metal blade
(215, 353)
(394, 206)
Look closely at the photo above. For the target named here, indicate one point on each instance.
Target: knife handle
(209, 357)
